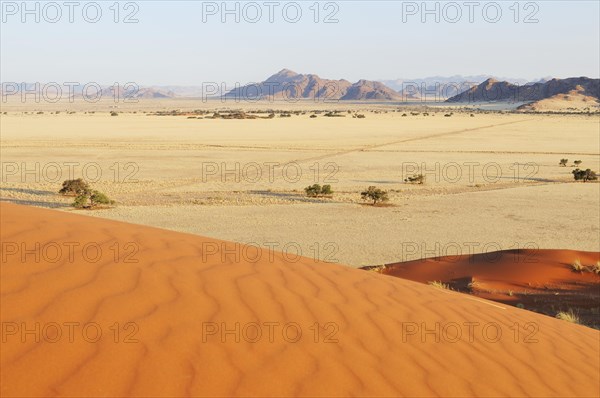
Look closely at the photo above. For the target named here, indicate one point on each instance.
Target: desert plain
(492, 179)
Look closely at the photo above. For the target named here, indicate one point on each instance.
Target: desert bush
(577, 162)
(563, 162)
(317, 190)
(74, 187)
(584, 175)
(416, 179)
(113, 113)
(568, 316)
(577, 266)
(375, 194)
(313, 116)
(99, 198)
(439, 285)
(91, 199)
(326, 190)
(333, 114)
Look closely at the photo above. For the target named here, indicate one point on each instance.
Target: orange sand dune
(158, 315)
(540, 280)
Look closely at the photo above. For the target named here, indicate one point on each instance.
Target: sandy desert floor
(492, 180)
(181, 316)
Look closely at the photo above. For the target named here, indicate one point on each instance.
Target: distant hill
(139, 93)
(440, 88)
(576, 90)
(287, 84)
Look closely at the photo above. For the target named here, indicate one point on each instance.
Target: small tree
(563, 162)
(313, 190)
(316, 190)
(90, 199)
(81, 201)
(74, 187)
(375, 194)
(584, 175)
(416, 179)
(577, 163)
(98, 198)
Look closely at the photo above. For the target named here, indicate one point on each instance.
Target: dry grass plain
(492, 181)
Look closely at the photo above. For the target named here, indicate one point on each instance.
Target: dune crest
(179, 316)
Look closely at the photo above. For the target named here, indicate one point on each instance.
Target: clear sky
(187, 43)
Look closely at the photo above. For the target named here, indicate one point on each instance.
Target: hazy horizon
(187, 43)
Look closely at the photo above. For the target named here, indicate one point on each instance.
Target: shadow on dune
(37, 203)
(28, 191)
(538, 280)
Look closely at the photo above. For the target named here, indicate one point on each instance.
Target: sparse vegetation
(113, 113)
(91, 199)
(85, 197)
(596, 268)
(563, 162)
(439, 285)
(375, 268)
(74, 187)
(317, 190)
(568, 316)
(333, 114)
(577, 163)
(375, 194)
(415, 179)
(577, 266)
(584, 175)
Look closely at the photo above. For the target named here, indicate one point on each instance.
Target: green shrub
(563, 162)
(316, 190)
(81, 201)
(74, 187)
(91, 199)
(584, 175)
(375, 194)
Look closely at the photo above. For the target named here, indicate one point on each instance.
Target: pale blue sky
(172, 45)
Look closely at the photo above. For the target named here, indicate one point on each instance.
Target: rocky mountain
(502, 91)
(441, 88)
(131, 92)
(287, 84)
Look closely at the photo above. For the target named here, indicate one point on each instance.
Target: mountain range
(574, 92)
(287, 84)
(544, 94)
